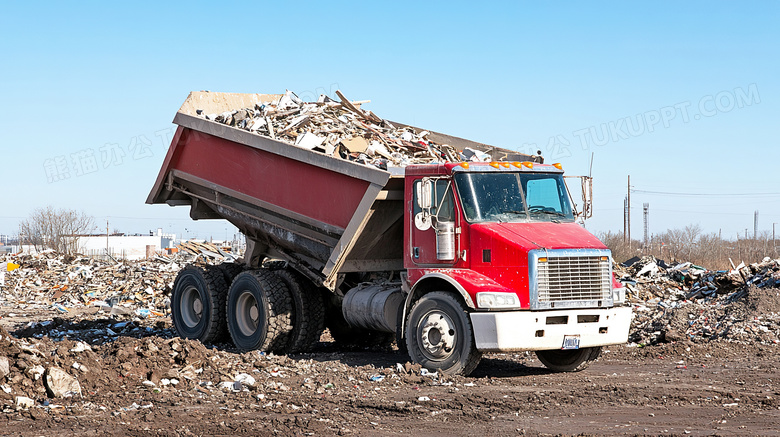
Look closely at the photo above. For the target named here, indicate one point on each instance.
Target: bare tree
(692, 244)
(58, 229)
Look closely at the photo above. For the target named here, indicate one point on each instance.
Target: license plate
(571, 342)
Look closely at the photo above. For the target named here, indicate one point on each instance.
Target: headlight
(497, 300)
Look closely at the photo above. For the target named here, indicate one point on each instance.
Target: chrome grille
(573, 278)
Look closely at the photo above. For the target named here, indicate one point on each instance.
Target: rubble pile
(202, 251)
(343, 130)
(689, 302)
(73, 376)
(115, 287)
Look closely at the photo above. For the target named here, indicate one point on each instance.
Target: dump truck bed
(325, 214)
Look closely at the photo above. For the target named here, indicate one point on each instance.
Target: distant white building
(130, 247)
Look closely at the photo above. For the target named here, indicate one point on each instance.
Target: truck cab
(500, 240)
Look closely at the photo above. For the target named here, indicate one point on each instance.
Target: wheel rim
(437, 335)
(191, 307)
(247, 313)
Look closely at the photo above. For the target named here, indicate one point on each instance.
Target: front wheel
(569, 360)
(439, 335)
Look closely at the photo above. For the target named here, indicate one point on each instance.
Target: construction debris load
(343, 130)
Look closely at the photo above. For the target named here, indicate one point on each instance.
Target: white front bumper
(543, 330)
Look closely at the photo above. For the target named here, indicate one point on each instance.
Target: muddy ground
(137, 378)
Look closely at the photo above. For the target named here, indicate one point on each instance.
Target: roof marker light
(494, 164)
(558, 166)
(528, 164)
(465, 165)
(517, 164)
(505, 164)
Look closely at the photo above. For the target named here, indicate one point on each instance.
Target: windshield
(513, 197)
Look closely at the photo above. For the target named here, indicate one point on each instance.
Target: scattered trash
(245, 379)
(426, 372)
(233, 386)
(81, 347)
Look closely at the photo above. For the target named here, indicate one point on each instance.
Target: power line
(671, 193)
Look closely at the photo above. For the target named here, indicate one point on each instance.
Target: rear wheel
(258, 311)
(569, 360)
(230, 271)
(439, 335)
(197, 304)
(308, 311)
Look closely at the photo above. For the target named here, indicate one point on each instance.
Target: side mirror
(425, 194)
(586, 193)
(587, 197)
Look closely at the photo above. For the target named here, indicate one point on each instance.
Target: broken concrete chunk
(60, 384)
(35, 371)
(23, 402)
(5, 367)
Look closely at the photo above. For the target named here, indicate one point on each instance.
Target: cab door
(434, 239)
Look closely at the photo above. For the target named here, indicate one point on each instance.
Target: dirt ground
(139, 379)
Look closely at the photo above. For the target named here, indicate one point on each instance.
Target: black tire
(569, 360)
(439, 335)
(230, 271)
(258, 311)
(345, 335)
(197, 304)
(308, 311)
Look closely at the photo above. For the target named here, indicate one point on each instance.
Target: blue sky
(700, 82)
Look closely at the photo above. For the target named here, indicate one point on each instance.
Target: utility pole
(628, 204)
(625, 219)
(107, 254)
(646, 218)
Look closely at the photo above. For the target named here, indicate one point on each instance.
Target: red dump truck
(449, 259)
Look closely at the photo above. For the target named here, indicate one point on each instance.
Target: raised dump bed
(324, 214)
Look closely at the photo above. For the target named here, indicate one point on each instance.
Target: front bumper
(544, 330)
